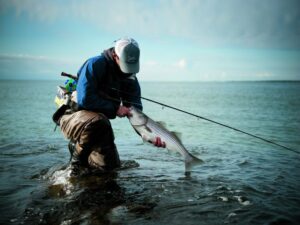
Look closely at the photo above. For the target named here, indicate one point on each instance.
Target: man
(107, 86)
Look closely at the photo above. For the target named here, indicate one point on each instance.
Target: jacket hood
(108, 54)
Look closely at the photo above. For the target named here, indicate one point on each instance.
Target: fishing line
(192, 114)
(207, 119)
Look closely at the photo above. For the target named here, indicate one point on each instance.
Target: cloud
(41, 10)
(181, 64)
(256, 23)
(32, 67)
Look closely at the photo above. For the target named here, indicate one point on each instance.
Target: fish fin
(148, 129)
(192, 161)
(146, 139)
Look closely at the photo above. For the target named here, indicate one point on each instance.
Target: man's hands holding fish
(159, 143)
(125, 111)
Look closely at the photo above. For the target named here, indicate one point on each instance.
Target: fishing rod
(194, 115)
(207, 119)
(63, 74)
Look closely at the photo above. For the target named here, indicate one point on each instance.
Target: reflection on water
(151, 193)
(89, 199)
(243, 181)
(74, 200)
(127, 196)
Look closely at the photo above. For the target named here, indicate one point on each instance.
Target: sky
(180, 40)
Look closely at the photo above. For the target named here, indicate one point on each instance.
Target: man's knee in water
(96, 144)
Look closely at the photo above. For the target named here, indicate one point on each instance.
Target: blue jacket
(99, 78)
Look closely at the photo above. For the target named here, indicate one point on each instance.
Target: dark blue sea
(243, 180)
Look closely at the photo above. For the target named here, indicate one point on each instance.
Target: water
(243, 180)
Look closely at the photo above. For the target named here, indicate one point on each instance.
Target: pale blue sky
(180, 40)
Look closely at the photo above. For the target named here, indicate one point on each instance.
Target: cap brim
(129, 67)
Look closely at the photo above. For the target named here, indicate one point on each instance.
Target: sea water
(243, 180)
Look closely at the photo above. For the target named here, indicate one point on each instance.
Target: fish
(149, 130)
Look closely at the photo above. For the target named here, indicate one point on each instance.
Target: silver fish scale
(161, 132)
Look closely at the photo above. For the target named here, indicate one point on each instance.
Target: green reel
(70, 85)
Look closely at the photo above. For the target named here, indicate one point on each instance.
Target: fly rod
(69, 75)
(207, 119)
(194, 115)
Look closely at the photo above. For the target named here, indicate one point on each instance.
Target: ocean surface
(243, 180)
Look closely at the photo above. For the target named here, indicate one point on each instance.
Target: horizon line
(185, 81)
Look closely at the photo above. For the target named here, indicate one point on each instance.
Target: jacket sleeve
(88, 96)
(132, 92)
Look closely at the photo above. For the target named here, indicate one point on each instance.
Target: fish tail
(192, 161)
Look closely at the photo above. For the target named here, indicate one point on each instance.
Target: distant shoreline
(166, 81)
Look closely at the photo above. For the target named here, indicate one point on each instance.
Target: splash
(61, 183)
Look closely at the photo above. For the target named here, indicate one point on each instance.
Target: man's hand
(159, 143)
(123, 111)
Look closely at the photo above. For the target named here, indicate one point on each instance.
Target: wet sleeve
(88, 93)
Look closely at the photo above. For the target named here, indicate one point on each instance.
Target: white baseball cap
(128, 51)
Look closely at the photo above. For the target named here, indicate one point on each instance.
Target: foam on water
(60, 182)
